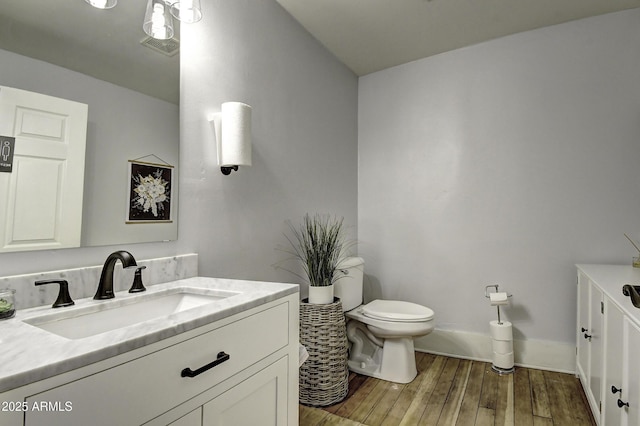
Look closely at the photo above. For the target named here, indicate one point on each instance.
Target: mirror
(70, 50)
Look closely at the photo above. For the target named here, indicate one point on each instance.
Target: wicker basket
(324, 376)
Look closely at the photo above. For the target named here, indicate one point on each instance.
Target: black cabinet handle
(584, 329)
(587, 336)
(622, 404)
(187, 372)
(615, 389)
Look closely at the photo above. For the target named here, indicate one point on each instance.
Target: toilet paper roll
(502, 331)
(504, 361)
(235, 134)
(498, 299)
(502, 346)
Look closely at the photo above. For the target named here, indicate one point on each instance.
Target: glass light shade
(157, 20)
(188, 11)
(102, 4)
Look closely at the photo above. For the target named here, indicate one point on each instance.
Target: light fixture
(233, 136)
(188, 11)
(102, 4)
(157, 20)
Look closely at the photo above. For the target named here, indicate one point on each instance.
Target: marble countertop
(30, 354)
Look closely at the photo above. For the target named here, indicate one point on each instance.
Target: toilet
(380, 332)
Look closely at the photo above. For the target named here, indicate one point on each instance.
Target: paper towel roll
(235, 144)
(502, 331)
(498, 299)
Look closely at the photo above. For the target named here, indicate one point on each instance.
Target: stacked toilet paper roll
(502, 342)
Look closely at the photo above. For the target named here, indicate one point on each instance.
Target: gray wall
(506, 162)
(304, 137)
(304, 145)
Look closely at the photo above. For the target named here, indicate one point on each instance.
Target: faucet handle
(137, 285)
(64, 299)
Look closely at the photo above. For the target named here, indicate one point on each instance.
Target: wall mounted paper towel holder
(232, 127)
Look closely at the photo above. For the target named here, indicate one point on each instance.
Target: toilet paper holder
(487, 294)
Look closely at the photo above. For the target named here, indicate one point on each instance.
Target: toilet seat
(397, 311)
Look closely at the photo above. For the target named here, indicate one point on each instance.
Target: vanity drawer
(141, 389)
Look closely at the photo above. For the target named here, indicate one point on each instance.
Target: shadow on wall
(372, 289)
(516, 313)
(453, 343)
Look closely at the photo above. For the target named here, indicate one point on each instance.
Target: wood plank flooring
(451, 391)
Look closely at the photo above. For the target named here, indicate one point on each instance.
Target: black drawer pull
(222, 357)
(615, 390)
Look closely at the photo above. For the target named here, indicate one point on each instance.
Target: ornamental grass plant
(320, 244)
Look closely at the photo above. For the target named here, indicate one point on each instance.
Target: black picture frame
(149, 195)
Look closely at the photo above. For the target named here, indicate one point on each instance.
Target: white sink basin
(101, 317)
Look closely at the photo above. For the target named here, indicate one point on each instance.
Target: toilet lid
(395, 310)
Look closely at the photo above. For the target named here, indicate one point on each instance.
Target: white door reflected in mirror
(43, 188)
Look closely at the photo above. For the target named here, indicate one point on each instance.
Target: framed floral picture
(149, 192)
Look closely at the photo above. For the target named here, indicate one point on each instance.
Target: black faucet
(64, 298)
(105, 286)
(633, 291)
(137, 286)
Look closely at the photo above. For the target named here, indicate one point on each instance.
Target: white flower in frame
(150, 192)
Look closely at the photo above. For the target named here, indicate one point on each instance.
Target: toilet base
(394, 362)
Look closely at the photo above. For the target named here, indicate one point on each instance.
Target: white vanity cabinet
(589, 339)
(632, 377)
(260, 399)
(252, 374)
(619, 394)
(621, 390)
(613, 353)
(250, 402)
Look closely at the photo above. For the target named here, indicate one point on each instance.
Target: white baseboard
(540, 354)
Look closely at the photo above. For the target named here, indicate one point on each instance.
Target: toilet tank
(348, 285)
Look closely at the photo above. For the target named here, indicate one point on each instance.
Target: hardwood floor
(451, 391)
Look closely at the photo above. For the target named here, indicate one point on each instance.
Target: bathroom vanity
(608, 343)
(226, 354)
